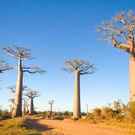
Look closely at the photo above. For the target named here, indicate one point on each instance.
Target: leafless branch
(119, 29)
(12, 100)
(51, 102)
(32, 93)
(33, 69)
(13, 89)
(77, 64)
(18, 52)
(4, 66)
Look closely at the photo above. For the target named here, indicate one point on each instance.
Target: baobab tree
(12, 90)
(21, 54)
(12, 104)
(31, 94)
(51, 102)
(78, 67)
(11, 99)
(25, 106)
(121, 32)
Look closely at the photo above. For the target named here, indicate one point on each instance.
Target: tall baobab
(78, 67)
(12, 100)
(51, 102)
(20, 54)
(31, 94)
(121, 32)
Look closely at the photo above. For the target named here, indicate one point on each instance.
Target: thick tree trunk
(31, 106)
(76, 104)
(19, 87)
(132, 78)
(131, 43)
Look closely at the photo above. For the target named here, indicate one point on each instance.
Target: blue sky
(56, 30)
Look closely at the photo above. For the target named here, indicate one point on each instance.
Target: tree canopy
(119, 30)
(84, 67)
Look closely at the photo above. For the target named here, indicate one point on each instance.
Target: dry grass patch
(127, 127)
(16, 127)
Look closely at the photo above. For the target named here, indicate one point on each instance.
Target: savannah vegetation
(121, 32)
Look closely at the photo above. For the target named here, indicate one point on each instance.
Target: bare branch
(18, 52)
(12, 100)
(33, 69)
(13, 89)
(32, 93)
(4, 66)
(51, 102)
(84, 67)
(119, 29)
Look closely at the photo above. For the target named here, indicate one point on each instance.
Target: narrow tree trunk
(31, 106)
(76, 104)
(19, 87)
(24, 107)
(50, 111)
(132, 78)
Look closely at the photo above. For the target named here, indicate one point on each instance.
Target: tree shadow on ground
(33, 124)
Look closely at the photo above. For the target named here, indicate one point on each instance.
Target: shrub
(115, 111)
(107, 113)
(67, 114)
(58, 118)
(4, 115)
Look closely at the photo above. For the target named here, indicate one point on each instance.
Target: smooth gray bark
(19, 87)
(76, 100)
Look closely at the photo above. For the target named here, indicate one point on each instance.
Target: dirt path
(68, 127)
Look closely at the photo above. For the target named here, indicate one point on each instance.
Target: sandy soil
(68, 127)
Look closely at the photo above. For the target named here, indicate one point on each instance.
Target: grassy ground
(16, 127)
(126, 126)
(24, 126)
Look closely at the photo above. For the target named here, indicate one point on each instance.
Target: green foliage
(67, 114)
(58, 117)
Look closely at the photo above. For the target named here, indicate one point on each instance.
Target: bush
(67, 114)
(107, 113)
(4, 115)
(116, 111)
(58, 117)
